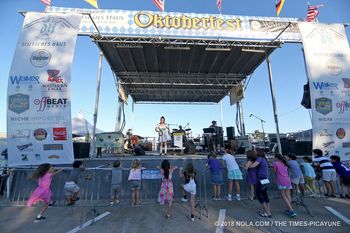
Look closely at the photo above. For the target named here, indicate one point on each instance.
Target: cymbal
(175, 129)
(187, 129)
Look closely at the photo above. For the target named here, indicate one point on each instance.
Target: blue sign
(151, 174)
(18, 103)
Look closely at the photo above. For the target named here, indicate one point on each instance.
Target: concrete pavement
(240, 216)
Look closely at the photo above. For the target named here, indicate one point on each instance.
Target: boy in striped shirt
(328, 172)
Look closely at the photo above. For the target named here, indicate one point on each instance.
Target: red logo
(59, 134)
(54, 76)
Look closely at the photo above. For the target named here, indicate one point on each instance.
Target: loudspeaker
(139, 150)
(297, 148)
(81, 150)
(306, 101)
(230, 131)
(190, 147)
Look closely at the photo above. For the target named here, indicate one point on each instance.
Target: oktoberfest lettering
(145, 20)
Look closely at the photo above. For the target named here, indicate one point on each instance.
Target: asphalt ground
(236, 216)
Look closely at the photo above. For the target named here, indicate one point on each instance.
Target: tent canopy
(81, 127)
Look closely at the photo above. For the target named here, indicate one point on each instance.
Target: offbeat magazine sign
(38, 106)
(327, 56)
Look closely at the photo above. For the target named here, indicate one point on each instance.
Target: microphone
(251, 115)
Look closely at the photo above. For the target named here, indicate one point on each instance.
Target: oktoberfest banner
(183, 25)
(39, 126)
(327, 57)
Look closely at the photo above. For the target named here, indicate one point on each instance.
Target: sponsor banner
(178, 139)
(327, 57)
(151, 174)
(188, 25)
(39, 108)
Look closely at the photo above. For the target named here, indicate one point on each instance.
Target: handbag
(264, 181)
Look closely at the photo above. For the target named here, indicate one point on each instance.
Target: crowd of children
(291, 178)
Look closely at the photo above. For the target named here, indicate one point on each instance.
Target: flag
(279, 6)
(92, 2)
(219, 4)
(312, 12)
(46, 2)
(160, 4)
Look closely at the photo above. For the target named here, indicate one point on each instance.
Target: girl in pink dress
(42, 193)
(166, 189)
(284, 182)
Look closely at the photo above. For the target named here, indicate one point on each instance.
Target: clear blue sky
(287, 67)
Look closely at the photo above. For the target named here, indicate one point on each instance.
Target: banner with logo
(39, 126)
(327, 57)
(185, 25)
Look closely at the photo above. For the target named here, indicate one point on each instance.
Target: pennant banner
(39, 126)
(327, 57)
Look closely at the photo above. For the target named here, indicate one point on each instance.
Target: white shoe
(229, 198)
(192, 218)
(238, 197)
(183, 199)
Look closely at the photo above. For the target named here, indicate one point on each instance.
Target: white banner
(178, 24)
(327, 56)
(178, 139)
(39, 126)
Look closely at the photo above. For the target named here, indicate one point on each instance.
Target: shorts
(329, 175)
(115, 188)
(135, 184)
(281, 187)
(216, 178)
(345, 180)
(298, 180)
(234, 174)
(70, 188)
(190, 187)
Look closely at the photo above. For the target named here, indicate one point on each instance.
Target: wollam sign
(38, 113)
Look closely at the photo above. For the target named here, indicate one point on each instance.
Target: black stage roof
(173, 70)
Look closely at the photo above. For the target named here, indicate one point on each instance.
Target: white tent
(81, 127)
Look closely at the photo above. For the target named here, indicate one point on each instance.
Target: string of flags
(279, 6)
(312, 11)
(46, 2)
(160, 4)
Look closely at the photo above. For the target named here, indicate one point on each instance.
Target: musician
(180, 130)
(164, 135)
(215, 136)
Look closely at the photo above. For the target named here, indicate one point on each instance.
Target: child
(215, 166)
(189, 186)
(309, 175)
(71, 187)
(135, 181)
(42, 193)
(283, 182)
(344, 175)
(116, 182)
(329, 176)
(234, 174)
(295, 174)
(251, 177)
(166, 189)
